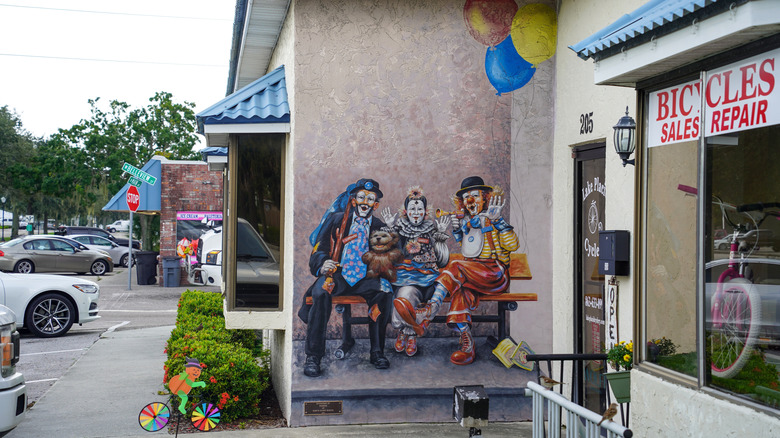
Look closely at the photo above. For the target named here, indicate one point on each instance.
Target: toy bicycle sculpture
(204, 416)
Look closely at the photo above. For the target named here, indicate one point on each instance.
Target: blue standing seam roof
(650, 16)
(150, 195)
(262, 101)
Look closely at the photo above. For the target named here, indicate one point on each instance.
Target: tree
(120, 134)
(16, 151)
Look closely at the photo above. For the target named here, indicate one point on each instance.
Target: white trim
(727, 30)
(247, 128)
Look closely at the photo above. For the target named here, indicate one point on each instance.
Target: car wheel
(24, 267)
(111, 230)
(99, 267)
(723, 246)
(123, 260)
(49, 316)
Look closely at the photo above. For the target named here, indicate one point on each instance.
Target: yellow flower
(630, 347)
(627, 358)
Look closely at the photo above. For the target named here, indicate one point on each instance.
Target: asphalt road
(44, 361)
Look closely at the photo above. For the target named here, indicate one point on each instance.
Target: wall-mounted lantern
(625, 138)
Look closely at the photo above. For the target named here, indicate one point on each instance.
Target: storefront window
(258, 186)
(731, 226)
(671, 256)
(742, 271)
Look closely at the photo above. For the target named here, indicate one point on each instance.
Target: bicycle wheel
(732, 342)
(205, 416)
(154, 416)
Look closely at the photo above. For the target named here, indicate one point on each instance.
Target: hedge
(235, 381)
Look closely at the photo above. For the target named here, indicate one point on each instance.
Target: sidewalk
(103, 392)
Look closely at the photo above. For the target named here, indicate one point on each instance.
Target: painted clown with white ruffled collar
(486, 241)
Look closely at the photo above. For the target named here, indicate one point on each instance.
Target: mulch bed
(270, 417)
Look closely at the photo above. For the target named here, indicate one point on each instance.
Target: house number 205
(586, 123)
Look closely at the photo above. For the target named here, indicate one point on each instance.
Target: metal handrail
(576, 360)
(574, 413)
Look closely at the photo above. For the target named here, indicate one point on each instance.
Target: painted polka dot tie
(352, 266)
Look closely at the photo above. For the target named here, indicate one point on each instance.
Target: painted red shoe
(400, 342)
(411, 346)
(466, 354)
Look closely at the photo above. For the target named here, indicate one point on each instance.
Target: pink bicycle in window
(735, 308)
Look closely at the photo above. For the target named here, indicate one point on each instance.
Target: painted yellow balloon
(534, 32)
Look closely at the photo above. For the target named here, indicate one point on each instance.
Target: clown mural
(486, 241)
(423, 243)
(339, 243)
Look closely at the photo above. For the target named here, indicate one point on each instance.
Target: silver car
(118, 253)
(43, 253)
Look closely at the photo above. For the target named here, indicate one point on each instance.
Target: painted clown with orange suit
(486, 241)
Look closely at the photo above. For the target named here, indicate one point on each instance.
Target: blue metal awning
(150, 195)
(213, 152)
(262, 101)
(648, 19)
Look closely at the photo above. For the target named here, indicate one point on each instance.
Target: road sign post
(133, 199)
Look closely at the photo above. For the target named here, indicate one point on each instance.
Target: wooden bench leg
(347, 341)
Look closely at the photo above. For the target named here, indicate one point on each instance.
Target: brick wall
(186, 186)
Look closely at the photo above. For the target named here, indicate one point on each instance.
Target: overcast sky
(57, 54)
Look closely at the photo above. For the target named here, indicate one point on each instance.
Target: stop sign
(133, 198)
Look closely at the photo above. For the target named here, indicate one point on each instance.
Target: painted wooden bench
(518, 270)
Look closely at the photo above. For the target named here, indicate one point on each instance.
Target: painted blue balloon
(505, 68)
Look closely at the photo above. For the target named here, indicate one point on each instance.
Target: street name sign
(133, 181)
(138, 173)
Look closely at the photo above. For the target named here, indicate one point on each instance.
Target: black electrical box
(471, 406)
(614, 252)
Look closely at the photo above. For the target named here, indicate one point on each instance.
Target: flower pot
(620, 382)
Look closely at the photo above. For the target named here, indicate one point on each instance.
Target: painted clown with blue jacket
(486, 241)
(340, 241)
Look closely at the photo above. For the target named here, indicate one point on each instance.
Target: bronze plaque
(323, 408)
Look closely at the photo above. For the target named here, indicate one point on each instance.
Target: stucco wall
(575, 96)
(395, 92)
(660, 408)
(281, 350)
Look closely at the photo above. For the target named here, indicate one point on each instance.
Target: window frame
(690, 72)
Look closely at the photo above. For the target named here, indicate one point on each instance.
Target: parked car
(119, 254)
(28, 254)
(120, 225)
(50, 304)
(13, 391)
(759, 238)
(65, 230)
(256, 263)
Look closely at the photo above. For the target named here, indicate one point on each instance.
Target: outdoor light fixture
(625, 138)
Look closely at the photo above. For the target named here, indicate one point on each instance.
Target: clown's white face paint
(473, 201)
(415, 211)
(365, 202)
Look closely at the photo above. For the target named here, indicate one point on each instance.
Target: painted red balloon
(489, 21)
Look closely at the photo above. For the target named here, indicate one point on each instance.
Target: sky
(55, 55)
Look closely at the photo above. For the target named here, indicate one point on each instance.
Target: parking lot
(44, 361)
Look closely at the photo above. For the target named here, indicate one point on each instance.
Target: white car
(119, 254)
(48, 305)
(119, 225)
(13, 391)
(257, 268)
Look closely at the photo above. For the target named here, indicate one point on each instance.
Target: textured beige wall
(395, 91)
(576, 95)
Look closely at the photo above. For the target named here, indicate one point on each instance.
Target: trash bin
(146, 267)
(171, 271)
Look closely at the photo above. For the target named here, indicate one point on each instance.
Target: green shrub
(234, 379)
